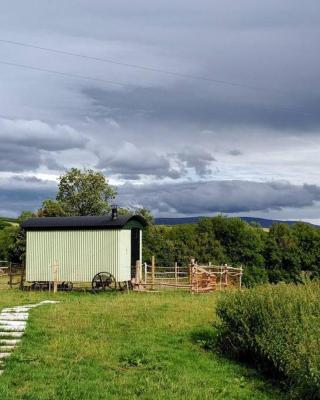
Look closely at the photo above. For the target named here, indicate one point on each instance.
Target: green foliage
(7, 240)
(51, 208)
(13, 244)
(4, 224)
(17, 250)
(84, 192)
(25, 215)
(242, 242)
(277, 328)
(146, 214)
(143, 212)
(286, 253)
(282, 254)
(208, 247)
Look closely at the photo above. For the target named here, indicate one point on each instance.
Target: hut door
(135, 245)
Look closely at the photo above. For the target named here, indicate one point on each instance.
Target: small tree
(143, 212)
(84, 192)
(146, 214)
(17, 247)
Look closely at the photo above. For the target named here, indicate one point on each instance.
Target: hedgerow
(277, 327)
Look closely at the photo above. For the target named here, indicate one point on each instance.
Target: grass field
(122, 346)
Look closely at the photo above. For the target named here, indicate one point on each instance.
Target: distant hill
(7, 219)
(4, 221)
(265, 223)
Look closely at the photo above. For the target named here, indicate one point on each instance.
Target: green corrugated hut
(83, 247)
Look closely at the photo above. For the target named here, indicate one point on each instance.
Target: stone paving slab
(6, 348)
(13, 322)
(9, 342)
(8, 328)
(11, 334)
(14, 317)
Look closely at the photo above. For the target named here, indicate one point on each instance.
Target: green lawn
(122, 346)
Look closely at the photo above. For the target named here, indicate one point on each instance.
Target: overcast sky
(234, 128)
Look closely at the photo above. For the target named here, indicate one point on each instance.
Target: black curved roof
(87, 222)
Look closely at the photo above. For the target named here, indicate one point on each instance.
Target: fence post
(176, 273)
(153, 268)
(240, 278)
(145, 272)
(191, 270)
(10, 275)
(226, 278)
(138, 272)
(55, 268)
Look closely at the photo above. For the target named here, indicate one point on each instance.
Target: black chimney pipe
(114, 212)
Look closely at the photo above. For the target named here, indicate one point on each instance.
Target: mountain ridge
(264, 222)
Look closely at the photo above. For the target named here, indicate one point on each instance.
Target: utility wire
(147, 68)
(69, 74)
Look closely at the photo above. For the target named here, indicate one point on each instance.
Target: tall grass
(277, 328)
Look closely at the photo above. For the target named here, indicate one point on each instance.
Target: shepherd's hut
(83, 247)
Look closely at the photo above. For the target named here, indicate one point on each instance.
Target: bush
(276, 327)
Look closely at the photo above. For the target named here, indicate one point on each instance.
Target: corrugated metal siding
(80, 253)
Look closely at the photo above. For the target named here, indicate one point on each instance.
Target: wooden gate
(11, 275)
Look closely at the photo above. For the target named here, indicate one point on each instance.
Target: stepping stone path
(13, 322)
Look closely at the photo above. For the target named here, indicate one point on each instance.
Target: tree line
(284, 253)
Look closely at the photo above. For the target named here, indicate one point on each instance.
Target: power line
(69, 74)
(147, 68)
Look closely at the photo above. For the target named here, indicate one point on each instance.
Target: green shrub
(278, 328)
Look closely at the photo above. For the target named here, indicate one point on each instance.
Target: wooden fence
(193, 277)
(11, 275)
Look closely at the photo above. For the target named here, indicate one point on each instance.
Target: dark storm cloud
(198, 105)
(220, 196)
(200, 198)
(17, 158)
(20, 193)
